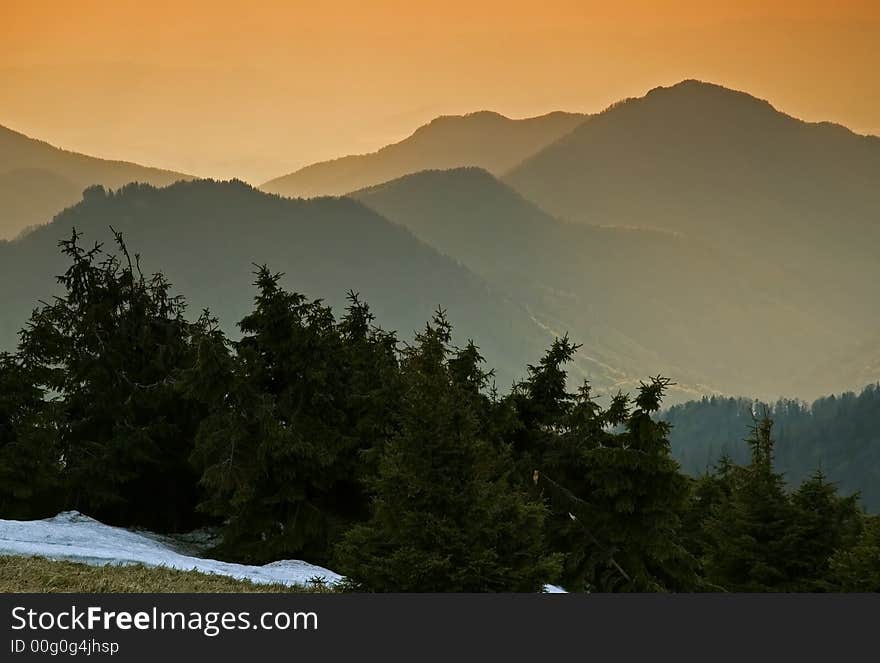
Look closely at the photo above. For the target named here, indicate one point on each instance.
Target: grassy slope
(37, 574)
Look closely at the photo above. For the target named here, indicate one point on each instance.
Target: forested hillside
(318, 436)
(838, 434)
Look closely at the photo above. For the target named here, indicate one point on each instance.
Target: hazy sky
(256, 89)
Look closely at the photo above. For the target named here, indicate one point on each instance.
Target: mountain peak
(694, 86)
(484, 138)
(706, 97)
(475, 115)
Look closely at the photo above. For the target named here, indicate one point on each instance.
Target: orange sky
(256, 89)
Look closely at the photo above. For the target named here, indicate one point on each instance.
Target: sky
(257, 89)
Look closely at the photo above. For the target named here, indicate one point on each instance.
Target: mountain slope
(484, 139)
(38, 180)
(205, 236)
(641, 301)
(728, 168)
(31, 196)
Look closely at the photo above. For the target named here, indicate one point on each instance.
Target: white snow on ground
(74, 537)
(77, 538)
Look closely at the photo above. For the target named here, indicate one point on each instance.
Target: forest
(837, 434)
(322, 436)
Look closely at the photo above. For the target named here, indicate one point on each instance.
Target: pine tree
(109, 350)
(447, 513)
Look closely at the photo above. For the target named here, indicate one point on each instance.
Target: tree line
(398, 464)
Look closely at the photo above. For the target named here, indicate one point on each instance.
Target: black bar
(367, 627)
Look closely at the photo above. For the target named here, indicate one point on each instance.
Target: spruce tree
(857, 568)
(824, 523)
(448, 514)
(751, 545)
(707, 492)
(618, 497)
(542, 404)
(304, 402)
(109, 350)
(372, 393)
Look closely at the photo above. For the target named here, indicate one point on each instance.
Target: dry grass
(38, 575)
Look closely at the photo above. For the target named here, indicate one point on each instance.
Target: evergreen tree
(707, 492)
(304, 400)
(615, 493)
(857, 568)
(109, 350)
(447, 513)
(824, 523)
(542, 404)
(372, 392)
(618, 497)
(751, 543)
(30, 462)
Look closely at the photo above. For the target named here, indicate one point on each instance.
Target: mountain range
(696, 232)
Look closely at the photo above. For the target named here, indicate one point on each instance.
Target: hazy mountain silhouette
(729, 168)
(38, 180)
(641, 301)
(697, 232)
(483, 139)
(206, 235)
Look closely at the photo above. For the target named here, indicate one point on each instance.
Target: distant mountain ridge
(38, 180)
(484, 139)
(731, 169)
(696, 231)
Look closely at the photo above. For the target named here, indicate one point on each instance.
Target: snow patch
(75, 537)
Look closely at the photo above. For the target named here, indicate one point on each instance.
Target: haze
(214, 89)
